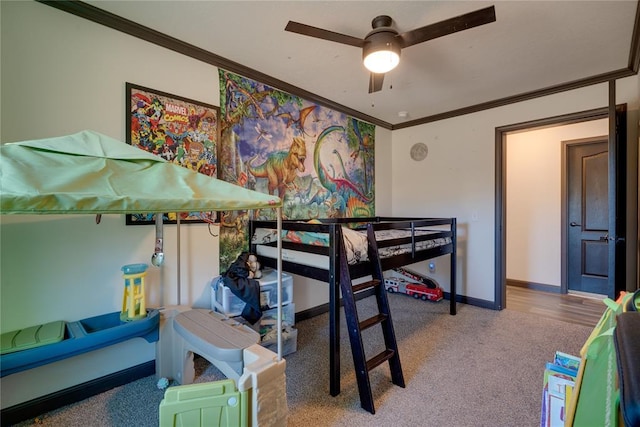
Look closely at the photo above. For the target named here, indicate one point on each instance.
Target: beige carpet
(478, 368)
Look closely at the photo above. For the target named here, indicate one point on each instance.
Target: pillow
(356, 245)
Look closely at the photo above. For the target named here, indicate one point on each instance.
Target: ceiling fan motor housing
(381, 37)
(381, 21)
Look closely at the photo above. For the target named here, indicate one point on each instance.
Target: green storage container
(32, 337)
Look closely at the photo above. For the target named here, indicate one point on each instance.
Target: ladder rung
(378, 318)
(380, 358)
(365, 285)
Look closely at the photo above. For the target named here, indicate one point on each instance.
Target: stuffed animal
(254, 267)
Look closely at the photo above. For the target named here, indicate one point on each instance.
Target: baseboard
(40, 405)
(476, 302)
(312, 312)
(534, 286)
(324, 308)
(321, 309)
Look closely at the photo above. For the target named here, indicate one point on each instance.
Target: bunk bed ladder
(355, 326)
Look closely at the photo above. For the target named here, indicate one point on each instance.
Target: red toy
(417, 290)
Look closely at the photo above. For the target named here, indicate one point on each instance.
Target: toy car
(416, 290)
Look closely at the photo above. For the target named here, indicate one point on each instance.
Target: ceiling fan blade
(449, 26)
(308, 30)
(375, 82)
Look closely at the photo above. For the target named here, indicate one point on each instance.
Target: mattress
(355, 244)
(297, 257)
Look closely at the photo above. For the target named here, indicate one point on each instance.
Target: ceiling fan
(381, 47)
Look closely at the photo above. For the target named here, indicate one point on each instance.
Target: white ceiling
(533, 45)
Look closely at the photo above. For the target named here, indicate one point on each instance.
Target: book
(559, 381)
(567, 361)
(561, 369)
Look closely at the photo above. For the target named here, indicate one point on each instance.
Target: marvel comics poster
(179, 130)
(319, 161)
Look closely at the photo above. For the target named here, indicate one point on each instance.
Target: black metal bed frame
(362, 269)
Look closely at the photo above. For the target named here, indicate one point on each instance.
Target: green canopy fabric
(90, 173)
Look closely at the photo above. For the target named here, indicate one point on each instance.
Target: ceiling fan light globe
(381, 61)
(381, 51)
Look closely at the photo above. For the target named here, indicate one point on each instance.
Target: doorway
(500, 177)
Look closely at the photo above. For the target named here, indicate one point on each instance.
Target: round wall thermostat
(419, 151)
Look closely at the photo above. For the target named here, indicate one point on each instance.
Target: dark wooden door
(588, 217)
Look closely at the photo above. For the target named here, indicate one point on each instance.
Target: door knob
(574, 224)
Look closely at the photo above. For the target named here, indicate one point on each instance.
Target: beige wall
(60, 75)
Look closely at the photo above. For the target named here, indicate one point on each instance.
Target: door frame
(618, 185)
(500, 288)
(564, 208)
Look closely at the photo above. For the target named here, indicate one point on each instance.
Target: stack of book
(559, 381)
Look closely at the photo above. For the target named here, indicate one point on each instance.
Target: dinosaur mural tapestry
(320, 162)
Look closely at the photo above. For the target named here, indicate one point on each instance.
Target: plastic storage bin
(289, 342)
(270, 318)
(224, 301)
(269, 333)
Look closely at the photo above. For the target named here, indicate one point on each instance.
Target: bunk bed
(309, 249)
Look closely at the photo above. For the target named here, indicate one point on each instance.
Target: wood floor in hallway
(569, 308)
